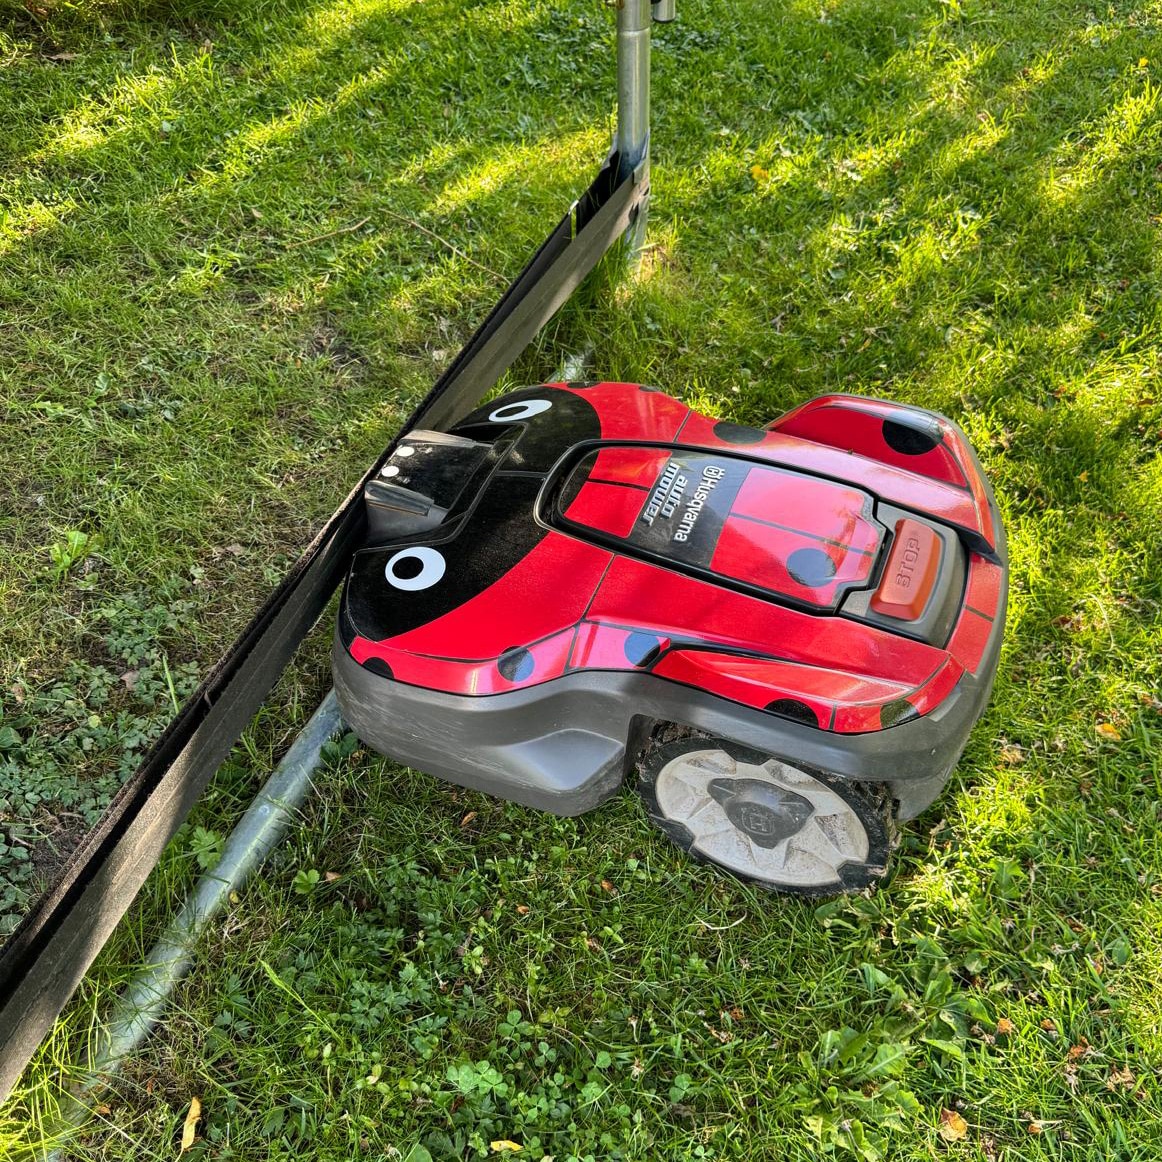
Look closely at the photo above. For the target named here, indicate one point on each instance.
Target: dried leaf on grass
(952, 1126)
(722, 1035)
(190, 1128)
(1120, 1079)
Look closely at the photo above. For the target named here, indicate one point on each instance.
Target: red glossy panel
(819, 508)
(984, 585)
(361, 649)
(937, 689)
(542, 594)
(977, 486)
(758, 554)
(969, 639)
(639, 466)
(758, 682)
(627, 413)
(479, 677)
(730, 677)
(895, 485)
(668, 603)
(699, 429)
(435, 673)
(550, 657)
(609, 508)
(862, 719)
(603, 647)
(855, 427)
(858, 719)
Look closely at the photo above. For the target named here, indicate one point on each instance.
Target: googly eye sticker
(524, 410)
(415, 569)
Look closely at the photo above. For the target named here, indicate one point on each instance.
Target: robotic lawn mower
(788, 631)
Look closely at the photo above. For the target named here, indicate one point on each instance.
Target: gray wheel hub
(768, 821)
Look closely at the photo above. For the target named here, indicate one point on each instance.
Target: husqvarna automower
(788, 631)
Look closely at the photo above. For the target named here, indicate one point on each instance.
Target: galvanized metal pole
(634, 18)
(633, 101)
(633, 82)
(144, 1001)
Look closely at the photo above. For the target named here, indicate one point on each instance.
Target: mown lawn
(237, 242)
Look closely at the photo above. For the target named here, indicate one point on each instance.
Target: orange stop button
(912, 568)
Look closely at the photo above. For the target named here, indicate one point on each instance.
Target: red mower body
(575, 564)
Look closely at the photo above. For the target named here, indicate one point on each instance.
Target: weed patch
(67, 747)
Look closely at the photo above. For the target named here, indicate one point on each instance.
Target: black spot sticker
(641, 648)
(378, 666)
(516, 664)
(811, 567)
(793, 709)
(730, 433)
(914, 438)
(894, 713)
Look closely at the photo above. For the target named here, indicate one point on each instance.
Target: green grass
(216, 305)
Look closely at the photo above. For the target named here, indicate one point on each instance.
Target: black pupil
(408, 567)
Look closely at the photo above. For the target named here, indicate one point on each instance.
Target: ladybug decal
(572, 563)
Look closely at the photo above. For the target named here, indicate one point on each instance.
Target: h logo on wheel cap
(766, 814)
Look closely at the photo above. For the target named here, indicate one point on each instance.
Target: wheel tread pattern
(872, 803)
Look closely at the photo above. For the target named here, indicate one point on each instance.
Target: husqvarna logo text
(711, 475)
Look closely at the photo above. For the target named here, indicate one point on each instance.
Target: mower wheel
(765, 820)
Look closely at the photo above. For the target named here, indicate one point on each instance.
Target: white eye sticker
(414, 569)
(524, 410)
